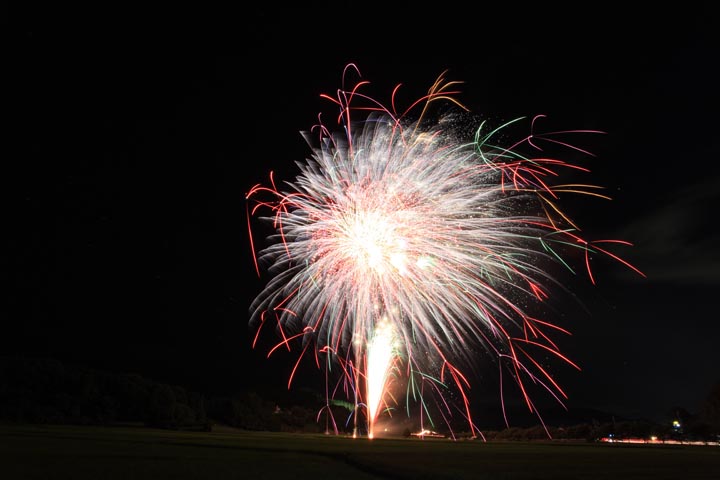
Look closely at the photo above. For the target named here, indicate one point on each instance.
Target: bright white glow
(381, 352)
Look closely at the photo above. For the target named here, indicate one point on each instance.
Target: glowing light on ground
(381, 353)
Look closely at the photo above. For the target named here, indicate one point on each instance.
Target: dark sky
(125, 238)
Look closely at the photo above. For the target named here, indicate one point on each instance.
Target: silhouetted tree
(579, 432)
(160, 410)
(680, 414)
(711, 408)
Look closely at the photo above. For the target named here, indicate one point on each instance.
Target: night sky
(126, 241)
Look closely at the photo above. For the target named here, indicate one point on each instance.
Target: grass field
(84, 453)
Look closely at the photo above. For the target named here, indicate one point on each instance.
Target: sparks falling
(402, 246)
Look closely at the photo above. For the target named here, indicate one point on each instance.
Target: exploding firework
(401, 247)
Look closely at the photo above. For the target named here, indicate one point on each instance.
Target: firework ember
(401, 247)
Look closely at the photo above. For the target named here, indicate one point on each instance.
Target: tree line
(48, 391)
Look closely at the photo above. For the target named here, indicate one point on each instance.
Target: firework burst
(401, 247)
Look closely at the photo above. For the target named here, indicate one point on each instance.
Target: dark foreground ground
(79, 453)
